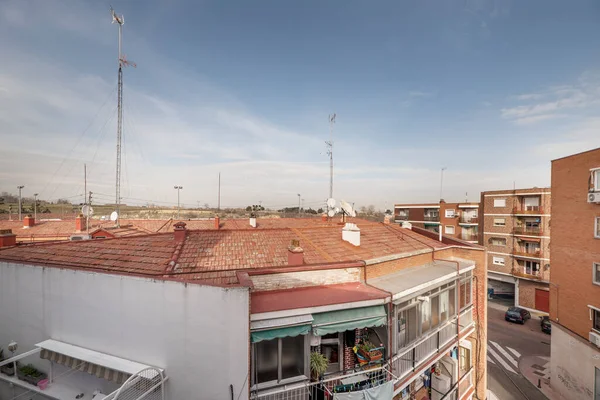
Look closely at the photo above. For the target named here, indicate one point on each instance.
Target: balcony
(467, 220)
(527, 253)
(528, 210)
(528, 231)
(533, 275)
(401, 217)
(414, 357)
(469, 237)
(431, 218)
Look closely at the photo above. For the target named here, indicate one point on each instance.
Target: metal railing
(431, 218)
(466, 318)
(299, 391)
(470, 238)
(468, 220)
(401, 217)
(529, 253)
(530, 210)
(531, 230)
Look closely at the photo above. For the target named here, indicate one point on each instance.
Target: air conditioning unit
(595, 339)
(594, 197)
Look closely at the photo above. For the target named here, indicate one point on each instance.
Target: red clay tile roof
(215, 255)
(313, 296)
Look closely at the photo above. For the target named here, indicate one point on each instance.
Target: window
(531, 267)
(597, 384)
(597, 228)
(499, 202)
(498, 241)
(498, 261)
(444, 306)
(450, 213)
(499, 222)
(435, 311)
(279, 359)
(425, 317)
(449, 229)
(596, 273)
(596, 320)
(330, 348)
(465, 294)
(407, 326)
(464, 356)
(596, 180)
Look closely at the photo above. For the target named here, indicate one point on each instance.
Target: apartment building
(458, 220)
(575, 276)
(240, 312)
(515, 230)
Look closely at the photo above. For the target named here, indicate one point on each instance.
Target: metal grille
(147, 384)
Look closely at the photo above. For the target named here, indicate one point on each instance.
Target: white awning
(279, 322)
(416, 279)
(93, 357)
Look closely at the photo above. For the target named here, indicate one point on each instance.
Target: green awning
(344, 320)
(269, 334)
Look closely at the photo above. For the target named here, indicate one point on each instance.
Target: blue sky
(492, 90)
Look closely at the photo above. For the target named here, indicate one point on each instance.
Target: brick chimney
(295, 253)
(217, 222)
(180, 231)
(28, 222)
(7, 238)
(80, 223)
(387, 219)
(324, 217)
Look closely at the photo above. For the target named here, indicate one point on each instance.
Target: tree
(320, 211)
(249, 208)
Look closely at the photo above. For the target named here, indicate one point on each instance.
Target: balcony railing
(469, 220)
(530, 210)
(401, 217)
(534, 231)
(466, 318)
(431, 218)
(527, 253)
(532, 275)
(469, 238)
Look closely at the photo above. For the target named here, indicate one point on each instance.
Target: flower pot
(8, 369)
(34, 380)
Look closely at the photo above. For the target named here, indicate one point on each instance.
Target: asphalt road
(507, 342)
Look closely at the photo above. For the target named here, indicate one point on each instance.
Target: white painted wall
(572, 365)
(198, 334)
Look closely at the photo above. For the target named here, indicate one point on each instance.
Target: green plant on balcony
(318, 364)
(30, 374)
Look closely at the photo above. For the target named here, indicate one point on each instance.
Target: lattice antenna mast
(122, 62)
(330, 153)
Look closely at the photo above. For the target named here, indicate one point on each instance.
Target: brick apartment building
(575, 277)
(515, 230)
(458, 220)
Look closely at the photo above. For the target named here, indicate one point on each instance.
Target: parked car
(545, 324)
(517, 314)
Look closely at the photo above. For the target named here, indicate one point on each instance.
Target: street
(507, 344)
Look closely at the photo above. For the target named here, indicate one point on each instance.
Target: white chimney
(407, 225)
(253, 222)
(351, 234)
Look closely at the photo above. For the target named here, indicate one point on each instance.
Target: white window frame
(498, 261)
(500, 219)
(499, 203)
(452, 229)
(500, 240)
(450, 213)
(597, 227)
(596, 273)
(596, 179)
(594, 320)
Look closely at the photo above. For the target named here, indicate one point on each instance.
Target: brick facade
(527, 291)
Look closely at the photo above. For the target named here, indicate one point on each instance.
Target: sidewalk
(537, 369)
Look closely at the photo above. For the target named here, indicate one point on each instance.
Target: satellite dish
(87, 210)
(337, 210)
(114, 216)
(347, 209)
(331, 203)
(331, 212)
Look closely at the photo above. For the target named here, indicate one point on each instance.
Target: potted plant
(30, 374)
(6, 369)
(318, 364)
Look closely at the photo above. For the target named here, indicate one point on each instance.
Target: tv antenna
(122, 62)
(347, 210)
(330, 153)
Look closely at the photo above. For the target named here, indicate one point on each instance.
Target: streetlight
(298, 203)
(20, 187)
(178, 189)
(442, 182)
(35, 195)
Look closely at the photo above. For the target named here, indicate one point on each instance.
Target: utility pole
(178, 189)
(330, 153)
(302, 206)
(84, 183)
(442, 182)
(122, 62)
(20, 187)
(35, 195)
(87, 220)
(298, 204)
(219, 200)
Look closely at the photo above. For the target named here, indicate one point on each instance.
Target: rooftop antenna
(122, 62)
(330, 153)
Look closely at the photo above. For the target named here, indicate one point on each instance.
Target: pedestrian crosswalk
(505, 356)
